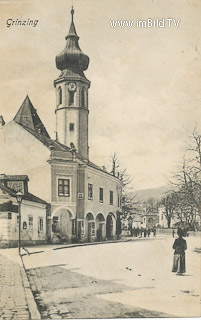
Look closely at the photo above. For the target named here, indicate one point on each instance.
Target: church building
(84, 199)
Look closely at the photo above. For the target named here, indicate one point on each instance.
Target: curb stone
(57, 247)
(33, 310)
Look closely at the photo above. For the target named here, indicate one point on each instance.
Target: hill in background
(146, 194)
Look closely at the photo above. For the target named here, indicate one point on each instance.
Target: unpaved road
(130, 279)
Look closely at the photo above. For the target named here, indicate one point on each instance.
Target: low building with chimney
(34, 213)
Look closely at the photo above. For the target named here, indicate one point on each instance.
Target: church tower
(72, 95)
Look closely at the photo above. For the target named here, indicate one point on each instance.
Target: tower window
(71, 126)
(71, 97)
(60, 95)
(83, 98)
(9, 215)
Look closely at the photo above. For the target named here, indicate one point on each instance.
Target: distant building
(33, 213)
(85, 199)
(137, 221)
(150, 220)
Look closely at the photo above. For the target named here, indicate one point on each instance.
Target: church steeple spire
(72, 30)
(72, 57)
(72, 94)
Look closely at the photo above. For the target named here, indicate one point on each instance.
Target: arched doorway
(90, 226)
(63, 225)
(109, 226)
(100, 227)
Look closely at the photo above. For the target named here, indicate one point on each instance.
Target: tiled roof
(8, 206)
(48, 142)
(93, 165)
(28, 196)
(14, 177)
(27, 116)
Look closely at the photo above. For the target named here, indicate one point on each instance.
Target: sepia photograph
(100, 159)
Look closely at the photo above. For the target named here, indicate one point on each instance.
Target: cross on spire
(72, 13)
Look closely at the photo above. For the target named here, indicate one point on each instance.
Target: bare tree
(188, 183)
(170, 202)
(119, 172)
(151, 205)
(128, 200)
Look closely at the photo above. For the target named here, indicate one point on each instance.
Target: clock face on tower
(71, 86)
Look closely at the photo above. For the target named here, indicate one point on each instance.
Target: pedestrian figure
(154, 232)
(179, 264)
(173, 232)
(148, 231)
(145, 233)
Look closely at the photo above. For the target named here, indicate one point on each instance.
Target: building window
(73, 227)
(30, 222)
(111, 197)
(60, 95)
(40, 226)
(71, 97)
(71, 126)
(118, 200)
(90, 191)
(24, 226)
(55, 223)
(64, 187)
(55, 219)
(9, 215)
(83, 98)
(93, 229)
(101, 194)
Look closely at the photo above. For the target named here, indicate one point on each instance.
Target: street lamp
(19, 201)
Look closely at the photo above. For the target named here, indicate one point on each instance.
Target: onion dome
(72, 58)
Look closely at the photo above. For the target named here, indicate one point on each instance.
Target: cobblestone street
(16, 300)
(12, 293)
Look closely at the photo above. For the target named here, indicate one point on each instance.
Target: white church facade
(84, 199)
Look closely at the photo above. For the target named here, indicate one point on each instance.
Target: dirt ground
(62, 294)
(131, 279)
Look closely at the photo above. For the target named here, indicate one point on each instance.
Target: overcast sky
(145, 95)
